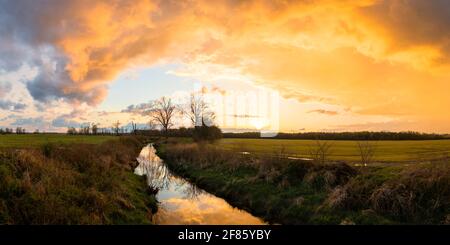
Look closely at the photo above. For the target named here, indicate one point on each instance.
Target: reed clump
(418, 194)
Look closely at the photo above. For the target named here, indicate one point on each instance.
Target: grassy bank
(74, 184)
(286, 191)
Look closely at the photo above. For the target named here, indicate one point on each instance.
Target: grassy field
(35, 140)
(385, 151)
(289, 191)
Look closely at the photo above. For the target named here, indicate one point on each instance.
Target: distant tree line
(94, 129)
(161, 120)
(198, 133)
(19, 130)
(364, 135)
(6, 131)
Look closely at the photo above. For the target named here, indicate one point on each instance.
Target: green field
(36, 140)
(385, 151)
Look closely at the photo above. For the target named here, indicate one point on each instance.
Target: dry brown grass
(419, 194)
(330, 175)
(203, 155)
(77, 184)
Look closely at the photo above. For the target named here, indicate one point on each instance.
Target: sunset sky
(338, 65)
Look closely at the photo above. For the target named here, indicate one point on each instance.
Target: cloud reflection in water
(183, 203)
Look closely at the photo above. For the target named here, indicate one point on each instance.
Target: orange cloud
(377, 56)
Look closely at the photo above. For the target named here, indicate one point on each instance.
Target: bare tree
(85, 129)
(320, 152)
(94, 128)
(116, 127)
(163, 112)
(198, 110)
(366, 151)
(194, 111)
(71, 130)
(134, 127)
(20, 130)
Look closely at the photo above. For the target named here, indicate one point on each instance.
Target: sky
(292, 66)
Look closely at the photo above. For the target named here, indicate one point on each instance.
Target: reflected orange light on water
(181, 203)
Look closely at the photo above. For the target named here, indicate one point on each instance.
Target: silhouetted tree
(85, 129)
(116, 128)
(134, 127)
(198, 111)
(20, 130)
(94, 128)
(163, 112)
(71, 130)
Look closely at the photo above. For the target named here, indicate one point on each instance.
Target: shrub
(327, 176)
(207, 133)
(417, 194)
(296, 171)
(422, 193)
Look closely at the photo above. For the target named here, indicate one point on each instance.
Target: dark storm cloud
(411, 23)
(29, 31)
(54, 83)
